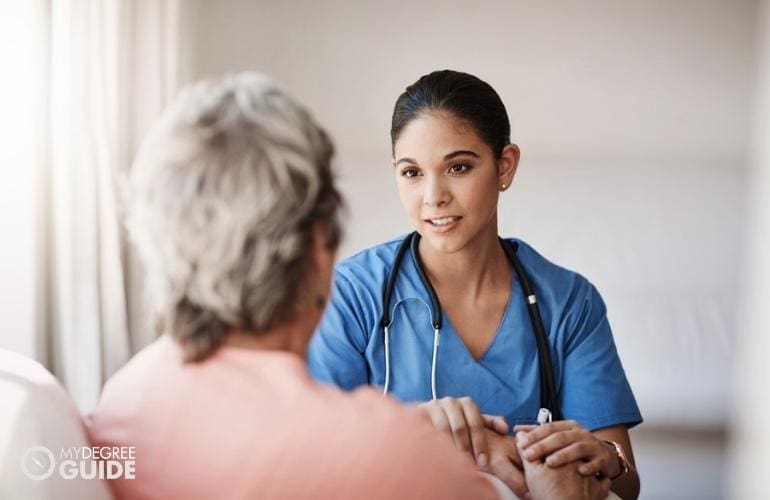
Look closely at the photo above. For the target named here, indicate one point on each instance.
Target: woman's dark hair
(465, 96)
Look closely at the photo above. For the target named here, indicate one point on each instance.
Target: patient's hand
(562, 483)
(504, 462)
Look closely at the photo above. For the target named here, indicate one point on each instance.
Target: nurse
(452, 159)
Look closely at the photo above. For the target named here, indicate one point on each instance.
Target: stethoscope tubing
(548, 397)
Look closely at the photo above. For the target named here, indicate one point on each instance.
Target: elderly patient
(235, 214)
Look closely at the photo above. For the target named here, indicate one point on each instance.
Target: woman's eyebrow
(455, 154)
(406, 160)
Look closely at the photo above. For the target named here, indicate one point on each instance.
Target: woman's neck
(470, 272)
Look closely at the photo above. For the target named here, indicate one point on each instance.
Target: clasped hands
(556, 460)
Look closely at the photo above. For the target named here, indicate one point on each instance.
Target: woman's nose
(436, 193)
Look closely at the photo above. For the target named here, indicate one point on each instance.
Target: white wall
(589, 80)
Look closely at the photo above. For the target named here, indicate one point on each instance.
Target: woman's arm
(627, 485)
(336, 351)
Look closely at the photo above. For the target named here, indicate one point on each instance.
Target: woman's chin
(445, 242)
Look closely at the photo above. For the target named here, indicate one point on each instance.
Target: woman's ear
(507, 165)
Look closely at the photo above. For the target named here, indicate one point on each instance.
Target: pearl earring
(503, 186)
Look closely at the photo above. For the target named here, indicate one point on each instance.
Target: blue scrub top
(348, 350)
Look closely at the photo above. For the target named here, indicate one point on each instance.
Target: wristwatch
(621, 459)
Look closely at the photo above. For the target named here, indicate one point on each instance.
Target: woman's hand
(564, 442)
(546, 483)
(462, 419)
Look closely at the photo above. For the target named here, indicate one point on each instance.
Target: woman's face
(449, 180)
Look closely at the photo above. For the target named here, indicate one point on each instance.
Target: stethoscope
(549, 403)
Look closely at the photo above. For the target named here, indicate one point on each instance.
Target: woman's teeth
(443, 221)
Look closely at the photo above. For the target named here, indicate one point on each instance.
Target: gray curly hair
(224, 195)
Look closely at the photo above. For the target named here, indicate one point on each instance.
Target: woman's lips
(443, 224)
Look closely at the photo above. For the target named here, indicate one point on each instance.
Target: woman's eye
(459, 168)
(410, 172)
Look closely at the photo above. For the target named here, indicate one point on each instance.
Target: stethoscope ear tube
(436, 305)
(387, 293)
(548, 397)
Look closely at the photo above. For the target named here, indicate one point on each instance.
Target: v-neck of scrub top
(498, 331)
(511, 357)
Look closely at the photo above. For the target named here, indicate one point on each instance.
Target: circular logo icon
(38, 463)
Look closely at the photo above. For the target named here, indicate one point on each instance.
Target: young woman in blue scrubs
(452, 158)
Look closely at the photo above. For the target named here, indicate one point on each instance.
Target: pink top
(253, 424)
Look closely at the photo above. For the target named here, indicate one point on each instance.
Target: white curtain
(109, 68)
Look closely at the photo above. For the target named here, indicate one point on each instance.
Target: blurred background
(645, 167)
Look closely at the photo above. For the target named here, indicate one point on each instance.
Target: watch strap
(622, 461)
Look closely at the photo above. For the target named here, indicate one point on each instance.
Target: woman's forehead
(432, 136)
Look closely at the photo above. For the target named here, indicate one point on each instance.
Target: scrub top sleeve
(594, 388)
(336, 351)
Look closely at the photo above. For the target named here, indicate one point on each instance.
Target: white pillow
(36, 411)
